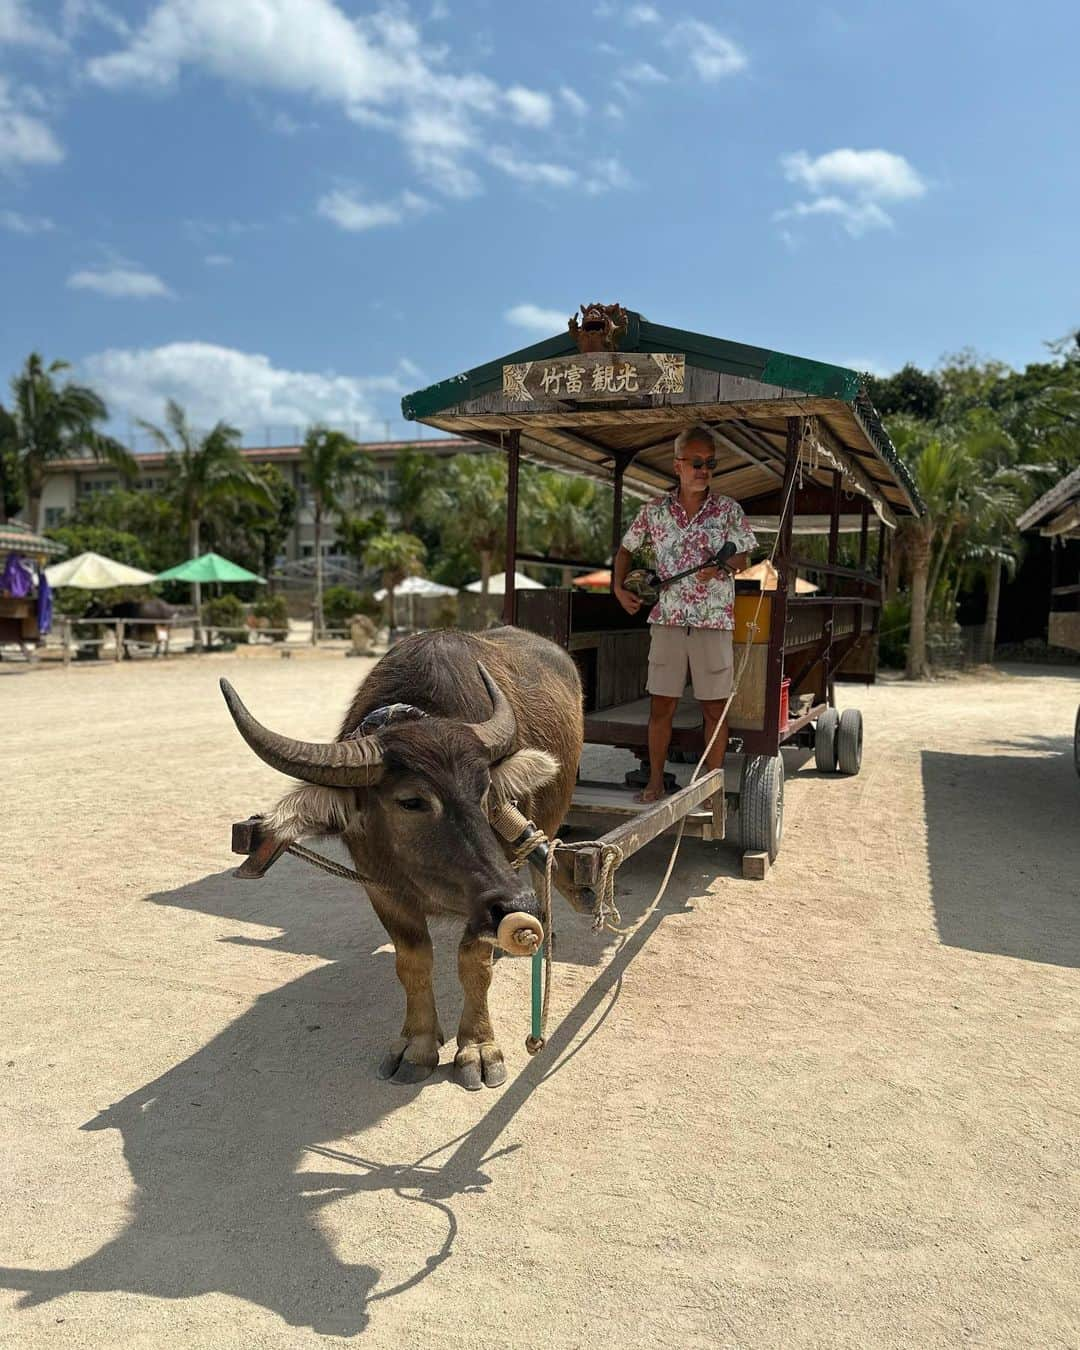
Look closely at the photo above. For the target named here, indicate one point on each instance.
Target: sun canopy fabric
(594, 581)
(15, 537)
(210, 567)
(421, 586)
(764, 573)
(93, 572)
(497, 584)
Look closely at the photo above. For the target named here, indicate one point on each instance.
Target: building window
(54, 515)
(88, 487)
(307, 550)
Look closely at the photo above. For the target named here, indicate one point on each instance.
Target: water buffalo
(133, 609)
(485, 718)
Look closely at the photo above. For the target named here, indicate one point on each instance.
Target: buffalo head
(410, 800)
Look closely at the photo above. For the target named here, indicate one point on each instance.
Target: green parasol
(210, 567)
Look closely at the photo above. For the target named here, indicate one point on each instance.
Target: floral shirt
(677, 542)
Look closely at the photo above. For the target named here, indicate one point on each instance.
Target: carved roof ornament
(601, 329)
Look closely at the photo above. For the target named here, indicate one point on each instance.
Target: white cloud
(245, 388)
(120, 283)
(375, 68)
(528, 106)
(527, 170)
(218, 260)
(351, 213)
(536, 320)
(573, 101)
(19, 28)
(850, 185)
(20, 224)
(871, 175)
(856, 217)
(866, 365)
(643, 72)
(711, 54)
(641, 14)
(607, 174)
(24, 139)
(613, 111)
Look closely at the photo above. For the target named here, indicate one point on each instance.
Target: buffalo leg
(415, 1053)
(479, 1060)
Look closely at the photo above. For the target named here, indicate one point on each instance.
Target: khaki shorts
(709, 653)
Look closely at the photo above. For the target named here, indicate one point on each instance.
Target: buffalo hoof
(477, 1066)
(411, 1061)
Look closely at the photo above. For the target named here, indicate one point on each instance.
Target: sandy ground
(836, 1108)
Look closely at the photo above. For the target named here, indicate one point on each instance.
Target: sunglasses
(700, 463)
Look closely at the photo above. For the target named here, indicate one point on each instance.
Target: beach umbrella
(209, 567)
(497, 584)
(595, 581)
(414, 586)
(15, 537)
(764, 573)
(422, 586)
(92, 572)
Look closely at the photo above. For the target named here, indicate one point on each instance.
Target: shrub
(224, 612)
(340, 603)
(273, 612)
(894, 633)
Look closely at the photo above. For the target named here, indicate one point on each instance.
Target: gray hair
(699, 432)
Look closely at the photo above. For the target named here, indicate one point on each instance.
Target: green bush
(224, 612)
(340, 603)
(273, 612)
(894, 633)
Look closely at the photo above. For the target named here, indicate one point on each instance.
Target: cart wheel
(849, 741)
(825, 740)
(761, 805)
(1076, 742)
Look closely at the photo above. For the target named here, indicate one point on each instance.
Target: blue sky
(279, 211)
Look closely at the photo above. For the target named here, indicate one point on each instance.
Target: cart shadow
(1004, 850)
(228, 1150)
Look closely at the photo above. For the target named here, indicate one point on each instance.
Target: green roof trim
(816, 378)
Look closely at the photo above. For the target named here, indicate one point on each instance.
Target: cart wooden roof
(671, 379)
(1057, 512)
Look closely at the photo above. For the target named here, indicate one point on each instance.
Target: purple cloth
(44, 604)
(16, 579)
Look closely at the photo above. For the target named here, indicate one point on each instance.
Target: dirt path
(837, 1108)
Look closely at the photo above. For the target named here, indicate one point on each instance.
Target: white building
(70, 481)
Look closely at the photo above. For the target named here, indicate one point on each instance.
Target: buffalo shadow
(215, 1144)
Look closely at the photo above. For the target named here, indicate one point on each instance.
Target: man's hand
(629, 601)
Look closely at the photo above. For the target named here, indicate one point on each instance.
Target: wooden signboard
(591, 377)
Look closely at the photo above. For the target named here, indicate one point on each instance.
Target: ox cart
(802, 451)
(1056, 515)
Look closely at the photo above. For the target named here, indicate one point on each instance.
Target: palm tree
(56, 421)
(559, 517)
(468, 504)
(935, 463)
(396, 556)
(331, 464)
(203, 471)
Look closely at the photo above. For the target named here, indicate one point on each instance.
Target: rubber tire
(825, 729)
(761, 805)
(1076, 742)
(849, 741)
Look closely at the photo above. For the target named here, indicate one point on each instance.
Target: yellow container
(745, 608)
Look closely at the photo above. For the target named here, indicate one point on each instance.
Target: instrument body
(647, 585)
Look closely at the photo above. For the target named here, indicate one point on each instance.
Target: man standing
(694, 620)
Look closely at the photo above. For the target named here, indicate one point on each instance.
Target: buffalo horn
(332, 764)
(497, 733)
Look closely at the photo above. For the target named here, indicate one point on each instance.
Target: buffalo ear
(521, 774)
